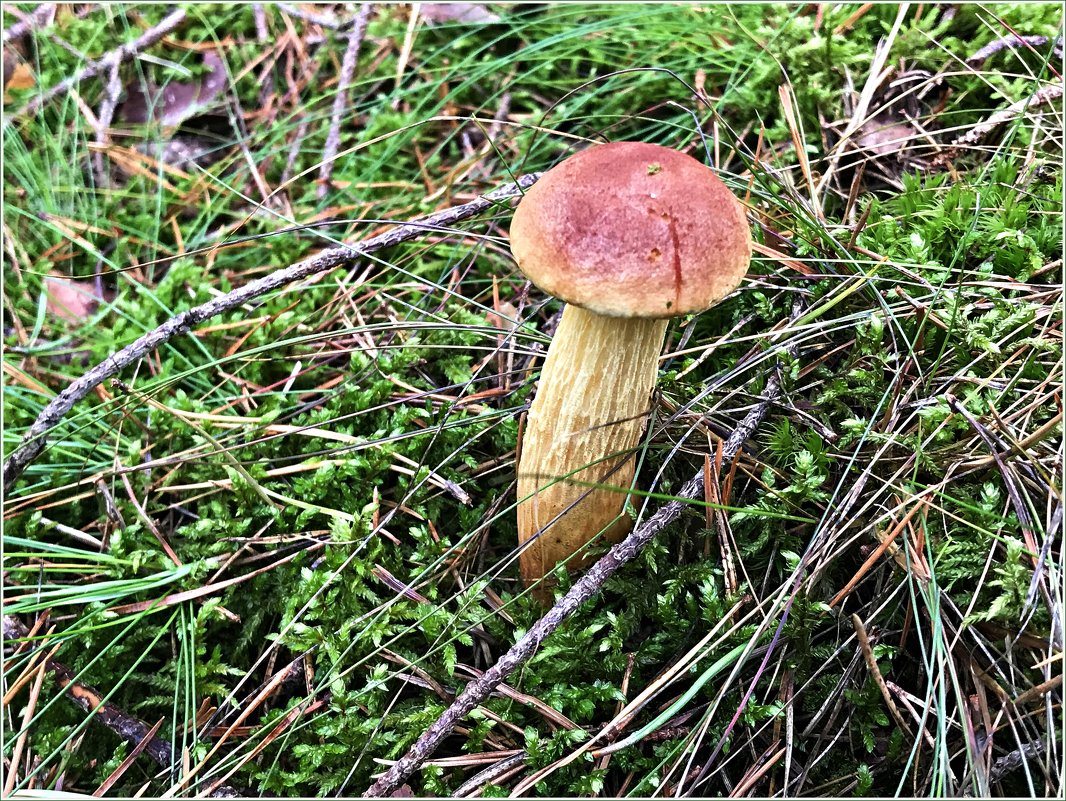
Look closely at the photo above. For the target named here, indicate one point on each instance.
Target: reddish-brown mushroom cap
(630, 229)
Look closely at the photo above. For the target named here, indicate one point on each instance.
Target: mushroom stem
(578, 450)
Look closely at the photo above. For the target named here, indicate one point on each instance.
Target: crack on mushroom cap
(603, 231)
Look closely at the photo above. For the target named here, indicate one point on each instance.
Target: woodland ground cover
(289, 535)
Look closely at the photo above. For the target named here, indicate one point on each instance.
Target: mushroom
(628, 234)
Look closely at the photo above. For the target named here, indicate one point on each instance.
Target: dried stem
(105, 64)
(351, 58)
(34, 440)
(1013, 41)
(131, 729)
(875, 672)
(316, 19)
(40, 16)
(1045, 95)
(294, 151)
(259, 16)
(112, 94)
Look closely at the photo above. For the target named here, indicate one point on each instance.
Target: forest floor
(278, 539)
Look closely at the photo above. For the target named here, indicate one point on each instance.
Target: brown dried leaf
(177, 101)
(883, 137)
(505, 319)
(17, 74)
(471, 13)
(70, 300)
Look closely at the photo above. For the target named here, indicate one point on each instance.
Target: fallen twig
(294, 151)
(127, 763)
(476, 783)
(259, 17)
(1041, 97)
(112, 94)
(351, 58)
(317, 19)
(1013, 41)
(34, 440)
(583, 589)
(112, 59)
(875, 673)
(131, 729)
(42, 15)
(1015, 759)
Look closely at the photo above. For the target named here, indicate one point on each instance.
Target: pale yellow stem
(583, 429)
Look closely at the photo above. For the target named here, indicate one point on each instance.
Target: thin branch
(317, 19)
(294, 151)
(1043, 96)
(131, 729)
(34, 440)
(585, 588)
(290, 97)
(1029, 752)
(40, 16)
(348, 64)
(875, 673)
(112, 94)
(259, 16)
(477, 782)
(1013, 41)
(105, 64)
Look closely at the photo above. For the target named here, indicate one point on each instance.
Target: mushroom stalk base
(579, 447)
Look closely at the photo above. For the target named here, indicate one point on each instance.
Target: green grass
(322, 444)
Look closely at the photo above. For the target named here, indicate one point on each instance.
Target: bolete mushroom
(628, 234)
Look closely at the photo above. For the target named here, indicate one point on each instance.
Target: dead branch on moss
(1013, 42)
(34, 440)
(38, 18)
(318, 19)
(105, 64)
(583, 589)
(1044, 96)
(130, 728)
(344, 82)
